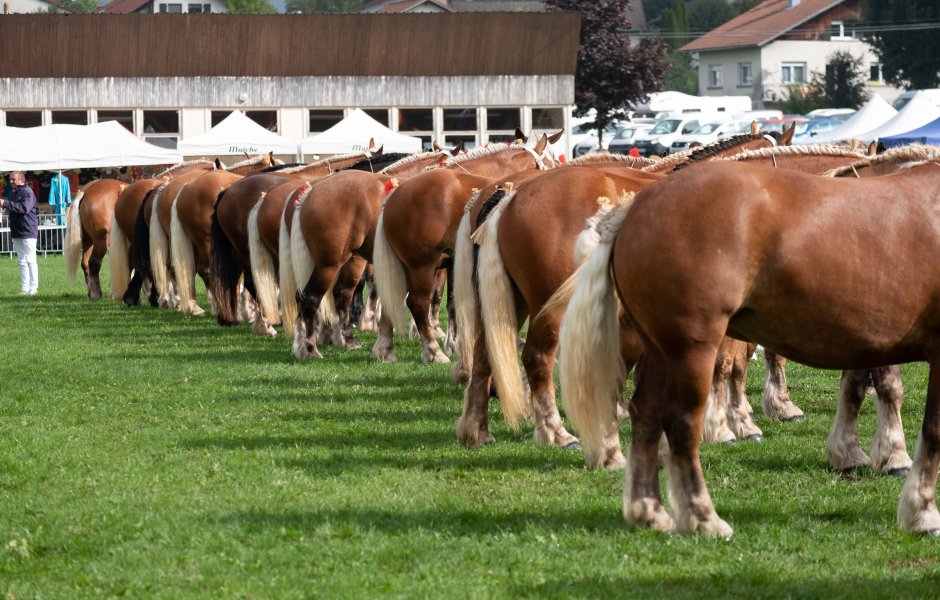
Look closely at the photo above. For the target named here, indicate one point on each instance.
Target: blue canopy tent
(926, 134)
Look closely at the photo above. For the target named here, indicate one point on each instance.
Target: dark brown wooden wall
(162, 45)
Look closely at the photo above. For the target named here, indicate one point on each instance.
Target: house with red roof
(779, 44)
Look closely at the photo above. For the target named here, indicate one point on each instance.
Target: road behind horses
(148, 454)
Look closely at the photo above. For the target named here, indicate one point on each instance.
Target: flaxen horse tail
(184, 264)
(391, 280)
(262, 268)
(73, 237)
(302, 264)
(225, 273)
(159, 252)
(590, 364)
(286, 276)
(498, 312)
(141, 259)
(118, 260)
(465, 295)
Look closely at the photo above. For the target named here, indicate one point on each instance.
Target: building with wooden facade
(448, 77)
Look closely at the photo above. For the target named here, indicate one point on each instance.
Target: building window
(124, 117)
(379, 114)
(199, 8)
(460, 125)
(162, 127)
(551, 119)
(70, 117)
(714, 76)
(793, 73)
(323, 119)
(505, 119)
(171, 8)
(876, 76)
(745, 74)
(24, 118)
(418, 122)
(838, 31)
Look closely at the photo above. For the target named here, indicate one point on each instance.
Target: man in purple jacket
(24, 229)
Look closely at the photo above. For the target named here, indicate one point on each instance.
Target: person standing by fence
(60, 196)
(24, 229)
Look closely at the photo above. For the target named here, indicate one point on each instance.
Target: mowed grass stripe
(148, 454)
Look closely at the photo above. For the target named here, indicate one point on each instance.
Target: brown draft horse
(419, 224)
(229, 246)
(523, 266)
(190, 226)
(797, 256)
(121, 243)
(89, 228)
(264, 236)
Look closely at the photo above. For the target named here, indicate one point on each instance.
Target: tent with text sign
(237, 135)
(58, 147)
(353, 133)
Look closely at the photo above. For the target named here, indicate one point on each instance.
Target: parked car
(708, 133)
(588, 142)
(819, 126)
(843, 113)
(932, 94)
(779, 125)
(664, 132)
(626, 138)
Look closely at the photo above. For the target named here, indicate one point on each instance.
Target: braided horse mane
(189, 163)
(479, 152)
(604, 157)
(715, 148)
(810, 150)
(901, 157)
(410, 159)
(254, 161)
(324, 161)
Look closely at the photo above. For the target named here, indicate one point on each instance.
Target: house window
(379, 114)
(793, 72)
(838, 31)
(551, 119)
(323, 119)
(162, 127)
(199, 8)
(745, 74)
(460, 125)
(714, 76)
(418, 122)
(501, 124)
(171, 8)
(70, 117)
(876, 76)
(124, 117)
(24, 118)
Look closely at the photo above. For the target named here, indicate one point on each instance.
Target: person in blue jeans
(24, 229)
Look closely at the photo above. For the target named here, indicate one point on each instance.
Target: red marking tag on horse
(390, 185)
(561, 159)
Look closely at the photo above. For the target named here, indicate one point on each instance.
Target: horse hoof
(575, 445)
(755, 437)
(901, 472)
(731, 441)
(932, 533)
(794, 419)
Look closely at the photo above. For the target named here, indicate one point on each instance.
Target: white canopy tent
(236, 135)
(916, 113)
(58, 147)
(874, 114)
(353, 133)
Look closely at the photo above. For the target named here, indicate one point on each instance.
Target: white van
(659, 139)
(932, 94)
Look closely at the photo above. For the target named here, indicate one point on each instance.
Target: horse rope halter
(773, 144)
(539, 163)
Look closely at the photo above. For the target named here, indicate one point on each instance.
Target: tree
(675, 21)
(843, 85)
(320, 6)
(254, 7)
(612, 75)
(908, 58)
(708, 14)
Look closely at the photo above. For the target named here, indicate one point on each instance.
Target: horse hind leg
(450, 340)
(538, 358)
(917, 507)
(889, 448)
(98, 249)
(473, 425)
(776, 397)
(845, 452)
(715, 429)
(437, 297)
(421, 281)
(309, 321)
(343, 292)
(740, 415)
(687, 386)
(384, 349)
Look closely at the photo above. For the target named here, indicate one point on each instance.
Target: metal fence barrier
(51, 235)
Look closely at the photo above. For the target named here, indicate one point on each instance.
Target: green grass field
(147, 454)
